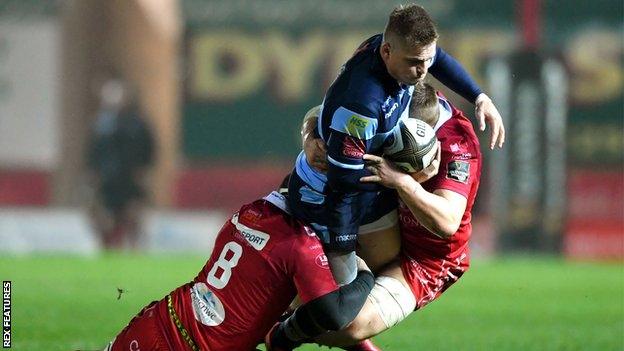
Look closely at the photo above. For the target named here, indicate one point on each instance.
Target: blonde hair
(424, 104)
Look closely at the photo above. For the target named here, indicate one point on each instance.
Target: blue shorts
(310, 205)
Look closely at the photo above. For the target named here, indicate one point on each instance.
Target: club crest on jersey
(353, 148)
(207, 307)
(459, 171)
(321, 261)
(251, 215)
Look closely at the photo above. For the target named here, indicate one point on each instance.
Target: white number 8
(225, 265)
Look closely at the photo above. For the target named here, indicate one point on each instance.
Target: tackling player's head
(409, 43)
(424, 104)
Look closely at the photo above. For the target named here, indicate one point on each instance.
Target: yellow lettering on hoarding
(295, 62)
(230, 65)
(596, 142)
(225, 65)
(343, 47)
(595, 59)
(470, 48)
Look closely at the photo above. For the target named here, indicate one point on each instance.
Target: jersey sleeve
(310, 269)
(458, 169)
(449, 72)
(351, 131)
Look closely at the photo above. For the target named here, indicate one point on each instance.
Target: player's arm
(329, 312)
(350, 137)
(348, 147)
(313, 146)
(439, 211)
(450, 72)
(351, 131)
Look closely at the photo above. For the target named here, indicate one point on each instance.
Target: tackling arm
(439, 211)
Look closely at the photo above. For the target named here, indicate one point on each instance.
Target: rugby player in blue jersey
(359, 111)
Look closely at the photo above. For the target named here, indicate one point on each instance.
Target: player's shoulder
(364, 92)
(362, 81)
(263, 223)
(457, 134)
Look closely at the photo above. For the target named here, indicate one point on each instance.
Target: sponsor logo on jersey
(255, 238)
(207, 307)
(346, 237)
(392, 109)
(134, 345)
(314, 247)
(353, 148)
(356, 126)
(321, 261)
(407, 219)
(459, 171)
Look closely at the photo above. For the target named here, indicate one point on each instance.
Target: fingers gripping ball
(413, 145)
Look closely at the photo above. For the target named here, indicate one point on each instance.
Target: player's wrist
(481, 98)
(406, 183)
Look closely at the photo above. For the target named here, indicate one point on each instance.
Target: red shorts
(428, 278)
(144, 332)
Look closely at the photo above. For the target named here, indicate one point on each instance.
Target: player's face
(409, 65)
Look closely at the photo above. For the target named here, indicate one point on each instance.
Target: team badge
(353, 148)
(459, 171)
(321, 261)
(250, 216)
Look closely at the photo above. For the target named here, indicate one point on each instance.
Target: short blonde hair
(424, 104)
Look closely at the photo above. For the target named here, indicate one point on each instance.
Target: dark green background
(259, 126)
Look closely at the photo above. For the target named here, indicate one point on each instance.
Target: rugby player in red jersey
(261, 260)
(434, 219)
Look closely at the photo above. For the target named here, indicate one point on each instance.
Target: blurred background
(142, 124)
(131, 129)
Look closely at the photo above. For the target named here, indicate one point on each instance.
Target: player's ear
(385, 50)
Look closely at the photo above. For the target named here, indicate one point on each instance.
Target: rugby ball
(412, 145)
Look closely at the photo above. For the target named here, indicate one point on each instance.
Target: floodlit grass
(520, 303)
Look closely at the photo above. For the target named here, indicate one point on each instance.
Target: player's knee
(367, 323)
(392, 300)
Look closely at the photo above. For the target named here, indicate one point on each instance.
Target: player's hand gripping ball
(413, 145)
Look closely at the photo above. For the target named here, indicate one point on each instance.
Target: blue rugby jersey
(360, 110)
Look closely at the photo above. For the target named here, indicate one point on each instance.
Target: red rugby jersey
(460, 171)
(261, 260)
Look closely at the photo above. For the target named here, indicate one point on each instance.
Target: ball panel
(418, 143)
